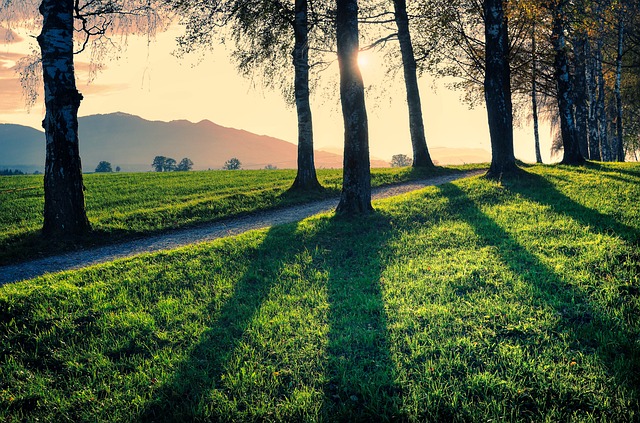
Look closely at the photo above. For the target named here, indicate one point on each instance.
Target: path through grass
(124, 206)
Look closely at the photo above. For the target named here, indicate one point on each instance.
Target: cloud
(12, 100)
(9, 36)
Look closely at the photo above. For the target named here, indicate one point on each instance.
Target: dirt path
(220, 229)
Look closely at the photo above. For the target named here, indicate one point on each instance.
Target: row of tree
(495, 47)
(574, 62)
(167, 164)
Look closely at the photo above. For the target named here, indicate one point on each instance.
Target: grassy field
(472, 301)
(127, 205)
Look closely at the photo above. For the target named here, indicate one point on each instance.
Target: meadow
(127, 205)
(473, 301)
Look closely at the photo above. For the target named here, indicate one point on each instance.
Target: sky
(147, 80)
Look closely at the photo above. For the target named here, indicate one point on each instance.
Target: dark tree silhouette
(306, 178)
(400, 160)
(421, 157)
(497, 90)
(570, 145)
(159, 163)
(185, 165)
(232, 164)
(356, 183)
(105, 167)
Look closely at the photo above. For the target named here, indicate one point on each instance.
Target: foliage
(270, 167)
(104, 167)
(167, 164)
(232, 164)
(400, 160)
(9, 172)
(185, 165)
(126, 205)
(262, 33)
(118, 169)
(473, 301)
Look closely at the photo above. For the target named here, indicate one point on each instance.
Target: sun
(363, 59)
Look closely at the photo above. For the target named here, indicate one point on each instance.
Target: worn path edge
(223, 228)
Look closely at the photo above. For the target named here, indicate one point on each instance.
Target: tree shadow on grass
(537, 189)
(615, 169)
(590, 329)
(180, 399)
(355, 377)
(360, 374)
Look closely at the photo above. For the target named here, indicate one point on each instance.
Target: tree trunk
(580, 93)
(592, 85)
(497, 90)
(563, 82)
(356, 184)
(64, 206)
(619, 148)
(306, 178)
(605, 151)
(421, 157)
(534, 94)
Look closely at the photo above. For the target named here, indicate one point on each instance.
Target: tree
(64, 206)
(270, 167)
(356, 182)
(306, 178)
(400, 160)
(63, 22)
(159, 163)
(104, 167)
(118, 169)
(421, 157)
(232, 164)
(497, 90)
(269, 36)
(570, 145)
(169, 165)
(185, 165)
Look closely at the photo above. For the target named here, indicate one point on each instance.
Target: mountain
(132, 142)
(21, 147)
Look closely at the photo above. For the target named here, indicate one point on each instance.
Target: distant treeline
(12, 172)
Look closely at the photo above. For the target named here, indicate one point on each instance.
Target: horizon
(149, 82)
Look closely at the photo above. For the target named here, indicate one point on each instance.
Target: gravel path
(220, 229)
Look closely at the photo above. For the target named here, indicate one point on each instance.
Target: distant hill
(21, 147)
(132, 142)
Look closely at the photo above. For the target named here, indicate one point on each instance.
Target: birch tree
(355, 198)
(497, 89)
(271, 38)
(421, 156)
(68, 26)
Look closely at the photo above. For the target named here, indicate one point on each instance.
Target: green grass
(121, 206)
(472, 301)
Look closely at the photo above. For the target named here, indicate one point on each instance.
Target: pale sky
(148, 81)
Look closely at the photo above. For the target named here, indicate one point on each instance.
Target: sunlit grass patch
(125, 205)
(473, 301)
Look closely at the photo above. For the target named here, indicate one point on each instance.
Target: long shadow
(537, 189)
(360, 374)
(357, 367)
(204, 366)
(603, 167)
(592, 332)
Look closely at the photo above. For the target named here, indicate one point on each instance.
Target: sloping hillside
(132, 142)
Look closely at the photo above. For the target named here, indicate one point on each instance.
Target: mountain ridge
(131, 142)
